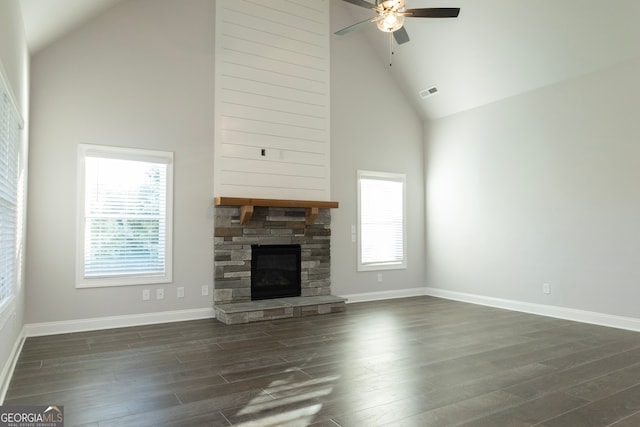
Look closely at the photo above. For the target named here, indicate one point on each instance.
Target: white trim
(584, 316)
(98, 323)
(602, 319)
(4, 82)
(7, 310)
(389, 177)
(135, 154)
(383, 295)
(10, 365)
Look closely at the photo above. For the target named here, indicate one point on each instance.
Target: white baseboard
(10, 365)
(583, 316)
(94, 324)
(382, 295)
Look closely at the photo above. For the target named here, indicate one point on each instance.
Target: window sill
(382, 266)
(122, 281)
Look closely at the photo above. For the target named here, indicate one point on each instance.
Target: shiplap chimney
(272, 99)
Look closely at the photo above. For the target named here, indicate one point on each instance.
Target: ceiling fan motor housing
(391, 4)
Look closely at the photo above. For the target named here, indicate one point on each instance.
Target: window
(125, 207)
(11, 212)
(381, 221)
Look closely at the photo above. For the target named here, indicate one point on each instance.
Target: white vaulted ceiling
(494, 50)
(47, 20)
(500, 48)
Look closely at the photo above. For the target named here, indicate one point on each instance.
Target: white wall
(538, 188)
(374, 128)
(139, 75)
(272, 94)
(14, 62)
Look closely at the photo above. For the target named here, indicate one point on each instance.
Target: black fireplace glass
(275, 271)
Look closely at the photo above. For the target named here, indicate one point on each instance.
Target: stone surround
(275, 226)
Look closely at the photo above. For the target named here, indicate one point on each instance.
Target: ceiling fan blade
(432, 12)
(361, 3)
(401, 35)
(356, 26)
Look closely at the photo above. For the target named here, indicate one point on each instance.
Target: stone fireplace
(242, 228)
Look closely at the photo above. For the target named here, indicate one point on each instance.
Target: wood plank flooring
(410, 362)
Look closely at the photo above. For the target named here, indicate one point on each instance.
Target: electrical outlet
(379, 277)
(146, 295)
(546, 288)
(180, 292)
(160, 293)
(205, 290)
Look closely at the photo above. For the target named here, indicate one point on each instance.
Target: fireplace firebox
(275, 271)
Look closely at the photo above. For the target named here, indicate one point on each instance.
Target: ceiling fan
(391, 14)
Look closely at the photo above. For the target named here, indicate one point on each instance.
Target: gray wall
(537, 188)
(140, 75)
(14, 60)
(542, 187)
(373, 128)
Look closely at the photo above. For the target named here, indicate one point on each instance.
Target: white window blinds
(126, 217)
(9, 166)
(381, 220)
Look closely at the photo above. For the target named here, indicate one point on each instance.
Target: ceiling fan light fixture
(391, 22)
(390, 16)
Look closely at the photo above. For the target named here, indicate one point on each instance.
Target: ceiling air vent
(425, 93)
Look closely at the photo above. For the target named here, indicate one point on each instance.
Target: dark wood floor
(410, 362)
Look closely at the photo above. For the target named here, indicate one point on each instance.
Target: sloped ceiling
(500, 48)
(495, 48)
(47, 20)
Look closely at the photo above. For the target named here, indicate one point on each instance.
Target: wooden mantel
(247, 204)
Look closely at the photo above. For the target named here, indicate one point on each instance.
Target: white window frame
(153, 156)
(383, 176)
(7, 305)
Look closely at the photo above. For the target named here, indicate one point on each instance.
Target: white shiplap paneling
(272, 99)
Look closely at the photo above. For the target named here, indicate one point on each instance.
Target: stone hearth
(279, 308)
(271, 226)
